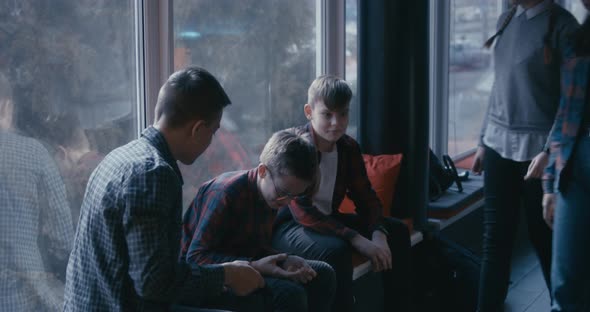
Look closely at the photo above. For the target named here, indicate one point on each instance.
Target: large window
(470, 70)
(72, 77)
(69, 96)
(264, 54)
(460, 96)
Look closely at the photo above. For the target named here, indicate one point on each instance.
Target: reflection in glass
(263, 53)
(470, 70)
(35, 221)
(70, 68)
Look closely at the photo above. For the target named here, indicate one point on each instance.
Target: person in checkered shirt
(126, 248)
(35, 221)
(231, 218)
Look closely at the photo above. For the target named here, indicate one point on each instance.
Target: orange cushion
(383, 171)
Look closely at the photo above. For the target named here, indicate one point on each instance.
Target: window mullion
(331, 37)
(157, 51)
(439, 87)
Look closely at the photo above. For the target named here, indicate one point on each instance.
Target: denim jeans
(506, 193)
(570, 273)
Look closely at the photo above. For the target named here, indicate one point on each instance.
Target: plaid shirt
(228, 220)
(33, 204)
(575, 74)
(125, 254)
(351, 180)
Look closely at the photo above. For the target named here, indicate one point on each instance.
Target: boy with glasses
(231, 218)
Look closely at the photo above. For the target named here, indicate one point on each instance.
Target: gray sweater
(525, 93)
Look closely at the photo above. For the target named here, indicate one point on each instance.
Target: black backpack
(442, 176)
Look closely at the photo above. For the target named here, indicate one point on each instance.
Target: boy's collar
(535, 10)
(253, 187)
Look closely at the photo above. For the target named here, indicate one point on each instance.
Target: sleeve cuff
(382, 229)
(548, 187)
(205, 281)
(378, 225)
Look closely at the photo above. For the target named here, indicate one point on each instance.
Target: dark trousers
(285, 295)
(506, 193)
(292, 237)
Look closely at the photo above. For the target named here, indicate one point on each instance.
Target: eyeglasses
(282, 194)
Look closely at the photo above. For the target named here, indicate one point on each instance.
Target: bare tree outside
(263, 52)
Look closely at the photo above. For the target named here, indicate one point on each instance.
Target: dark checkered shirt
(125, 253)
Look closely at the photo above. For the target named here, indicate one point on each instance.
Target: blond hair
(287, 153)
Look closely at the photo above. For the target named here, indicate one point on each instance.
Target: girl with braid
(528, 51)
(566, 182)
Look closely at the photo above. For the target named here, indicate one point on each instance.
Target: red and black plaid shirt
(228, 220)
(351, 180)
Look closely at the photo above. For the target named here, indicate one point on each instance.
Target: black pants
(292, 237)
(285, 295)
(506, 193)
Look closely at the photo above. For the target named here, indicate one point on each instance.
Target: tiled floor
(527, 292)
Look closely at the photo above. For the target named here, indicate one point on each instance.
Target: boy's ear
(261, 170)
(61, 154)
(198, 125)
(307, 110)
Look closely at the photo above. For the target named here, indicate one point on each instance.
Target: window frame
(331, 37)
(158, 52)
(141, 78)
(440, 16)
(157, 59)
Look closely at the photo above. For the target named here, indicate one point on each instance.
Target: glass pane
(263, 53)
(67, 97)
(470, 69)
(351, 30)
(577, 9)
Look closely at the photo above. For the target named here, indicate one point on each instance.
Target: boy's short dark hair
(188, 94)
(333, 91)
(287, 153)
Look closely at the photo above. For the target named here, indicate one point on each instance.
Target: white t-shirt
(328, 169)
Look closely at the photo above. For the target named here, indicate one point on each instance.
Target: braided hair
(505, 23)
(548, 51)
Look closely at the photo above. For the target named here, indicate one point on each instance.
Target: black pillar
(393, 93)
